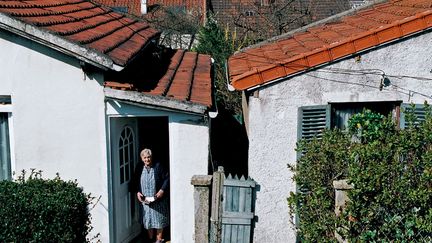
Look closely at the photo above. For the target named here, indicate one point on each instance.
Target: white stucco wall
(189, 151)
(58, 118)
(273, 117)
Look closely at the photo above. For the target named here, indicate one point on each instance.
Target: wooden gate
(232, 211)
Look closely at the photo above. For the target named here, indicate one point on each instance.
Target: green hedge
(391, 170)
(41, 210)
(325, 160)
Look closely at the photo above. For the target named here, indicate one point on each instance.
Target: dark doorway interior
(153, 134)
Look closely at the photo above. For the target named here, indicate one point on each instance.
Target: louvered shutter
(419, 111)
(312, 121)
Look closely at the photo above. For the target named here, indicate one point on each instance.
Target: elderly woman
(152, 192)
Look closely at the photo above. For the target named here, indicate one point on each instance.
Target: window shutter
(5, 163)
(312, 121)
(419, 111)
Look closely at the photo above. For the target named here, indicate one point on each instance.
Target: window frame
(127, 144)
(7, 108)
(398, 113)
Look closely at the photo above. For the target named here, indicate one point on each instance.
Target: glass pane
(126, 154)
(128, 134)
(5, 170)
(121, 156)
(127, 172)
(123, 133)
(121, 175)
(132, 152)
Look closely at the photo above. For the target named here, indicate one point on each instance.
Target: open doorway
(129, 135)
(153, 134)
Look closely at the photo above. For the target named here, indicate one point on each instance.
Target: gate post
(341, 198)
(201, 185)
(216, 206)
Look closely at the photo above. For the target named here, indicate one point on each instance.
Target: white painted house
(83, 89)
(378, 56)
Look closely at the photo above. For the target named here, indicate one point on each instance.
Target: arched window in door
(126, 153)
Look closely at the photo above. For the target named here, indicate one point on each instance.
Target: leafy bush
(325, 160)
(39, 210)
(392, 178)
(391, 171)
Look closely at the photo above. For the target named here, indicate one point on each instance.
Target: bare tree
(179, 25)
(263, 19)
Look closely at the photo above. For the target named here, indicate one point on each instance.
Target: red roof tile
(199, 5)
(97, 28)
(329, 41)
(186, 77)
(133, 6)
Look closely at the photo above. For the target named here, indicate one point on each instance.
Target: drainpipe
(213, 114)
(229, 86)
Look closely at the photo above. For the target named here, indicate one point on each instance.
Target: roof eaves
(60, 44)
(161, 102)
(334, 51)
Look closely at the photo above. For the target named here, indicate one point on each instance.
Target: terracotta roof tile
(328, 41)
(87, 24)
(133, 6)
(186, 78)
(199, 5)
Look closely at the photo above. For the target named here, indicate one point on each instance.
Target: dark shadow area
(143, 237)
(153, 134)
(145, 71)
(229, 144)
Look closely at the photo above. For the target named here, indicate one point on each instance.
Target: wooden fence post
(216, 206)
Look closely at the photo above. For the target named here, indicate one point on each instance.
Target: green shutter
(419, 111)
(312, 121)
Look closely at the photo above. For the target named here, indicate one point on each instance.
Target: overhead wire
(359, 72)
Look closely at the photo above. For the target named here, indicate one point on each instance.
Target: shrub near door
(43, 210)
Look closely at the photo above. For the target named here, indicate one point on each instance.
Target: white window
(5, 138)
(126, 154)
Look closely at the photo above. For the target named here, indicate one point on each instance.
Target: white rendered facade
(273, 112)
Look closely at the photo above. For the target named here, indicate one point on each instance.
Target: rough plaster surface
(273, 118)
(58, 118)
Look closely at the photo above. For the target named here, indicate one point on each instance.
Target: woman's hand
(140, 197)
(159, 194)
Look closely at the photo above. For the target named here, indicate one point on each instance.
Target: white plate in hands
(149, 200)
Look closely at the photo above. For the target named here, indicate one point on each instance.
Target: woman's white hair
(146, 151)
